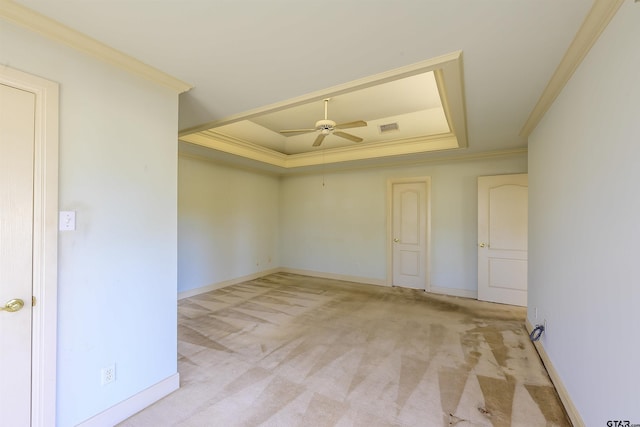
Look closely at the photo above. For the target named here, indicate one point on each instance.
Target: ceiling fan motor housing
(325, 125)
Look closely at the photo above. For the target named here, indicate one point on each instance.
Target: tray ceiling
(422, 105)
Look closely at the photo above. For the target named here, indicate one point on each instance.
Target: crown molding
(595, 22)
(227, 144)
(237, 147)
(25, 17)
(451, 156)
(450, 81)
(374, 150)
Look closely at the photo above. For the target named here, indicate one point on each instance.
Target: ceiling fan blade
(348, 136)
(356, 124)
(319, 140)
(297, 130)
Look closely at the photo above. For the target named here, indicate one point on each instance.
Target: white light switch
(67, 221)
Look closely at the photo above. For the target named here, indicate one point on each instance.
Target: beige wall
(228, 223)
(340, 228)
(232, 222)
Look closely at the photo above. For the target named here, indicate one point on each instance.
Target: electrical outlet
(108, 374)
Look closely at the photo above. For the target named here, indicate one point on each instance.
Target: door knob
(482, 245)
(396, 240)
(13, 305)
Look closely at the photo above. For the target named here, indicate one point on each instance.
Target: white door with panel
(17, 115)
(409, 234)
(502, 238)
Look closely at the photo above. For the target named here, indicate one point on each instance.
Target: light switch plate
(67, 221)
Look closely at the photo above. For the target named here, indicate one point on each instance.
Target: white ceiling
(243, 55)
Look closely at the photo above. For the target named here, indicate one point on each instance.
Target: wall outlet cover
(108, 374)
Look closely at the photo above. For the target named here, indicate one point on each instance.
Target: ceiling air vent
(389, 127)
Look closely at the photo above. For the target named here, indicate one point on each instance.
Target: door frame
(426, 181)
(45, 242)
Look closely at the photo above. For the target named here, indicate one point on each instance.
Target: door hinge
(33, 301)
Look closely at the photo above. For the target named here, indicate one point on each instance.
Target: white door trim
(426, 180)
(45, 242)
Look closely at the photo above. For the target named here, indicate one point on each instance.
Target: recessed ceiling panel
(407, 95)
(410, 126)
(424, 101)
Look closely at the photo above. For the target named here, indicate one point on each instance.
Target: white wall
(584, 274)
(117, 271)
(340, 228)
(228, 223)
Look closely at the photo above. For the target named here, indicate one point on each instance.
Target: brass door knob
(13, 305)
(482, 245)
(396, 240)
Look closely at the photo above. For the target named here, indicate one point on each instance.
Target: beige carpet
(288, 350)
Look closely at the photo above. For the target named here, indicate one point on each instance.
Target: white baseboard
(356, 279)
(454, 292)
(569, 407)
(224, 284)
(134, 404)
(464, 293)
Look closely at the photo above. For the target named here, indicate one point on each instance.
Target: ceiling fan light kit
(325, 127)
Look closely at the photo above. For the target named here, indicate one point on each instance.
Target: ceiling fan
(326, 127)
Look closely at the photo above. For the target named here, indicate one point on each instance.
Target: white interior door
(17, 113)
(502, 238)
(409, 234)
